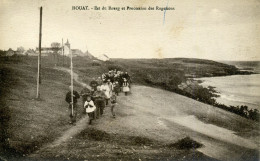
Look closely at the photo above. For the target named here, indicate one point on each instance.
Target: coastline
(233, 93)
(230, 93)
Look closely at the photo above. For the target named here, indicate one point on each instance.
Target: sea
(236, 90)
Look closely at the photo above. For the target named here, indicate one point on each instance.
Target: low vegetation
(26, 123)
(186, 143)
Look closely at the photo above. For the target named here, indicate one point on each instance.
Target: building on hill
(89, 55)
(10, 52)
(77, 52)
(20, 52)
(67, 48)
(45, 51)
(103, 57)
(31, 52)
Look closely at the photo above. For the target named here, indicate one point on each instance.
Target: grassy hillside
(27, 123)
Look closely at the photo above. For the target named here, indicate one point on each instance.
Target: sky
(206, 29)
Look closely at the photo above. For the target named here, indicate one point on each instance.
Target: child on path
(90, 108)
(126, 88)
(113, 104)
(116, 88)
(84, 93)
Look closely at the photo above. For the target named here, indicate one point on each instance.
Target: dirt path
(167, 117)
(80, 125)
(75, 76)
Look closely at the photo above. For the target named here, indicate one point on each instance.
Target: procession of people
(103, 93)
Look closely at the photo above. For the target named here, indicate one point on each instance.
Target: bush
(186, 143)
(114, 66)
(96, 64)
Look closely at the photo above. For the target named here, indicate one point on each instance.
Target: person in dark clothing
(84, 93)
(113, 104)
(68, 99)
(126, 76)
(100, 101)
(93, 84)
(116, 88)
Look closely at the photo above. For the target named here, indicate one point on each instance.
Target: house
(103, 57)
(77, 52)
(31, 52)
(45, 51)
(87, 54)
(10, 52)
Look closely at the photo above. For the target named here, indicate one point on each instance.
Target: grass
(93, 144)
(27, 123)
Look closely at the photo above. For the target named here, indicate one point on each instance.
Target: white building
(103, 57)
(67, 48)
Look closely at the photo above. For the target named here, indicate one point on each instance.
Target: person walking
(116, 87)
(113, 104)
(99, 97)
(110, 86)
(90, 108)
(84, 93)
(105, 88)
(72, 102)
(126, 88)
(99, 81)
(93, 84)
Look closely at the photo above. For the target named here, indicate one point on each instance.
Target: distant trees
(55, 46)
(20, 50)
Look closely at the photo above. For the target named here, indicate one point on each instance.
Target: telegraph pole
(62, 50)
(39, 57)
(71, 70)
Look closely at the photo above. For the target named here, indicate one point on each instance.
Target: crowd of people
(103, 92)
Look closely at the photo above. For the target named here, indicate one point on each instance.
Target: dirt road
(167, 117)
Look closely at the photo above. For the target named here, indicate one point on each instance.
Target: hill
(253, 66)
(27, 123)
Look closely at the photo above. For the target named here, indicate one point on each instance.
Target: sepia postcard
(129, 80)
